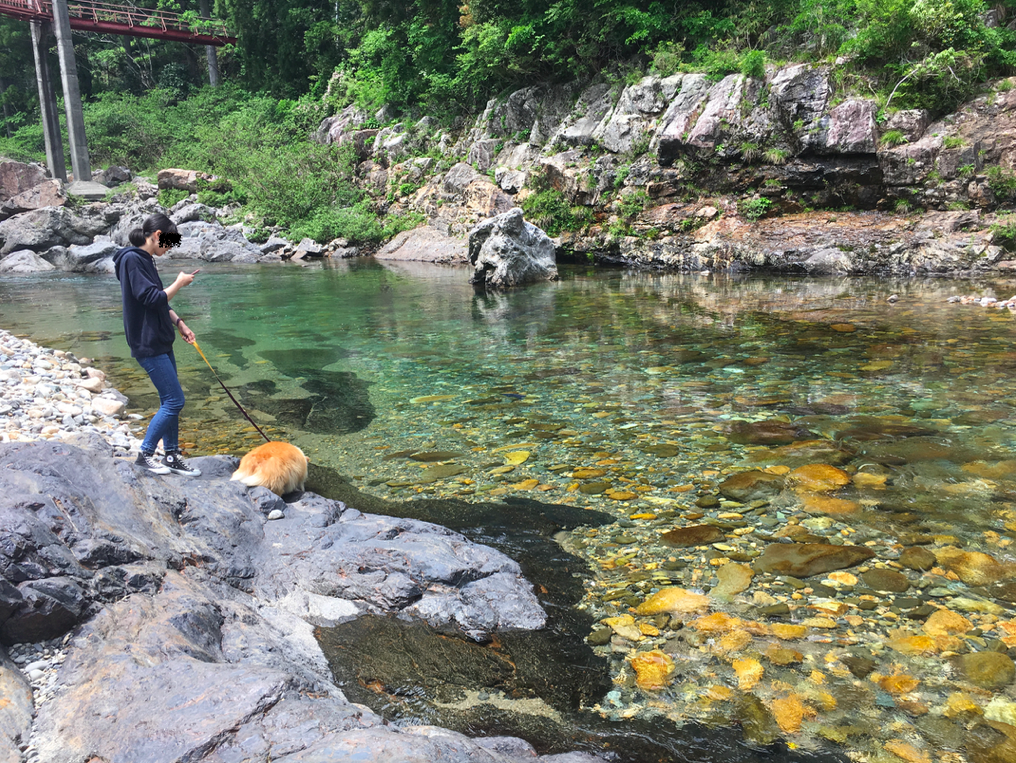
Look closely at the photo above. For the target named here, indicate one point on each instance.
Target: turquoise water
(623, 360)
(410, 384)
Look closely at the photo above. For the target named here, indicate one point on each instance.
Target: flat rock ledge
(187, 617)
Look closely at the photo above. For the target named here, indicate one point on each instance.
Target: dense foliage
(441, 56)
(449, 56)
(147, 105)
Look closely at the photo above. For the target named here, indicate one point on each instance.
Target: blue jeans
(165, 423)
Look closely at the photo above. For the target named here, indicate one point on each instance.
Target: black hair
(156, 222)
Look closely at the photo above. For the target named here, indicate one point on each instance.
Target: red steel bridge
(111, 18)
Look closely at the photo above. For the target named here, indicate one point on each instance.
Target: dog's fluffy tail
(278, 466)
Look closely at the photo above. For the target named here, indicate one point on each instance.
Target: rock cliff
(686, 172)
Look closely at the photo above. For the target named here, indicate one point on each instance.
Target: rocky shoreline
(158, 618)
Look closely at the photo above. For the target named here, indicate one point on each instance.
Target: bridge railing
(111, 13)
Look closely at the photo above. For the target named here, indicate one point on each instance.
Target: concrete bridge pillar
(72, 93)
(47, 102)
(210, 55)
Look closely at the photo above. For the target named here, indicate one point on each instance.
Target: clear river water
(629, 400)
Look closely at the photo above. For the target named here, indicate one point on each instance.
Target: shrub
(750, 152)
(1002, 183)
(631, 204)
(755, 208)
(666, 59)
(776, 155)
(169, 197)
(549, 209)
(952, 141)
(753, 64)
(26, 144)
(893, 138)
(1003, 232)
(357, 224)
(219, 193)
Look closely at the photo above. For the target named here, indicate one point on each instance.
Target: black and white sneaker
(173, 463)
(150, 463)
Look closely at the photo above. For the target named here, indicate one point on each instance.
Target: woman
(148, 322)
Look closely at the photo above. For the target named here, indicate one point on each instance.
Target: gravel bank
(52, 395)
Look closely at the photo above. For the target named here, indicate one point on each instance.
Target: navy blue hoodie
(145, 304)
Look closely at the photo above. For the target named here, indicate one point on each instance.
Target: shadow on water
(295, 361)
(228, 343)
(528, 684)
(337, 403)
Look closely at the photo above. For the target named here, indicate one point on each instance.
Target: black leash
(246, 416)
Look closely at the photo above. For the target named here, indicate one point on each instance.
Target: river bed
(726, 425)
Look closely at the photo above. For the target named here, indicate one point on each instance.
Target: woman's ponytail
(158, 221)
(136, 237)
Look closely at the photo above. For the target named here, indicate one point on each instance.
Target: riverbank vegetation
(295, 63)
(444, 59)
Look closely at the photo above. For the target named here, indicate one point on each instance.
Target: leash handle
(237, 404)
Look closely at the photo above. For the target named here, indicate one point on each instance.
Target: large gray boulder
(335, 129)
(681, 115)
(799, 95)
(16, 710)
(630, 124)
(133, 215)
(80, 259)
(195, 672)
(180, 179)
(111, 177)
(322, 549)
(189, 212)
(848, 128)
(195, 615)
(24, 261)
(595, 103)
(43, 228)
(507, 251)
(458, 178)
(212, 242)
(425, 244)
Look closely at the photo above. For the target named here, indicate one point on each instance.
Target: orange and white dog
(278, 466)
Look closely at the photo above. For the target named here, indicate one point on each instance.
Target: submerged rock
(987, 670)
(751, 485)
(805, 559)
(695, 535)
(767, 433)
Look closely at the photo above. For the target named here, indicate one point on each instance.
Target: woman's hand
(184, 279)
(186, 333)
